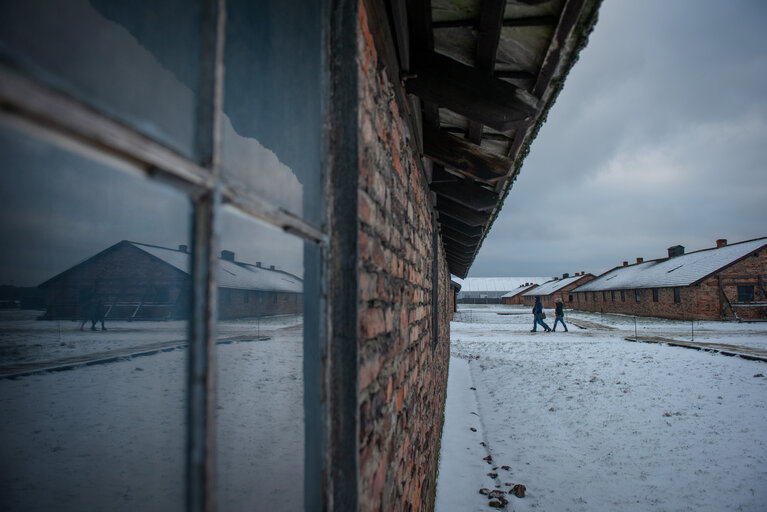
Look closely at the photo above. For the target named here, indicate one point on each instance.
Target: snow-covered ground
(590, 422)
(112, 436)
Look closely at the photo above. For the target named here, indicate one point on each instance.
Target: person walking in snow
(559, 312)
(538, 316)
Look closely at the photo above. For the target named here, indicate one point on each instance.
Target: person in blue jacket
(537, 313)
(559, 313)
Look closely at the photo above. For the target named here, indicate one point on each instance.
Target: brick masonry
(701, 301)
(402, 364)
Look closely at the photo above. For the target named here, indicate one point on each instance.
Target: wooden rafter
(463, 156)
(470, 216)
(469, 92)
(488, 36)
(462, 227)
(468, 194)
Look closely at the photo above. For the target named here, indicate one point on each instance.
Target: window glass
(94, 282)
(137, 61)
(677, 295)
(272, 122)
(745, 293)
(655, 295)
(259, 358)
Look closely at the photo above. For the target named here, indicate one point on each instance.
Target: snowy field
(111, 436)
(590, 422)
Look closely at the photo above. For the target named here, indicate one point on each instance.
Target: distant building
(455, 287)
(515, 296)
(725, 282)
(134, 281)
(557, 288)
(489, 290)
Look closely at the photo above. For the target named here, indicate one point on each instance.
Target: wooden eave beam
(514, 74)
(567, 20)
(488, 37)
(527, 21)
(467, 240)
(440, 175)
(468, 194)
(465, 214)
(464, 157)
(462, 227)
(469, 92)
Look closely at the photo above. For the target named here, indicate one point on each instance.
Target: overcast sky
(658, 138)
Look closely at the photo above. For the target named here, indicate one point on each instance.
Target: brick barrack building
(726, 282)
(556, 289)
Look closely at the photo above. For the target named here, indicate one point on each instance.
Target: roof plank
(465, 214)
(465, 157)
(470, 92)
(468, 194)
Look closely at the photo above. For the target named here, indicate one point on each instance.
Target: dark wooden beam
(468, 194)
(462, 227)
(461, 255)
(463, 156)
(401, 32)
(461, 261)
(469, 92)
(422, 45)
(488, 37)
(514, 74)
(532, 21)
(469, 241)
(569, 17)
(440, 175)
(465, 214)
(528, 21)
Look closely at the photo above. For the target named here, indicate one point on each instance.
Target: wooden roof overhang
(477, 80)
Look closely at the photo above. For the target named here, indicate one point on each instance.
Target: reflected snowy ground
(112, 436)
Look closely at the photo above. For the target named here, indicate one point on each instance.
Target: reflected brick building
(134, 281)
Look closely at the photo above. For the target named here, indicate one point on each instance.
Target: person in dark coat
(538, 316)
(559, 312)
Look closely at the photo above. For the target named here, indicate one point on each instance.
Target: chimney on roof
(227, 255)
(675, 251)
(182, 248)
(625, 263)
(721, 242)
(271, 267)
(640, 260)
(565, 275)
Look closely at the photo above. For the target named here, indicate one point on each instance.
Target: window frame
(54, 115)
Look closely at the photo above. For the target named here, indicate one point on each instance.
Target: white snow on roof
(496, 284)
(552, 286)
(679, 271)
(240, 276)
(519, 290)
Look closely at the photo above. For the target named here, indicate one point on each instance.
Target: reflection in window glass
(259, 358)
(138, 61)
(94, 282)
(272, 123)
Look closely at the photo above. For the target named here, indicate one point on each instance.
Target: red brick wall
(702, 301)
(402, 371)
(234, 303)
